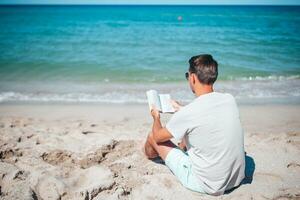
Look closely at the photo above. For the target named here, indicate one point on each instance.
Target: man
(211, 131)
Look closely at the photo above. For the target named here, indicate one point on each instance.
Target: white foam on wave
(266, 78)
(70, 97)
(272, 89)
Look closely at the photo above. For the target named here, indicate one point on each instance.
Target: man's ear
(193, 78)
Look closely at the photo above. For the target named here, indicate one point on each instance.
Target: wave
(70, 97)
(129, 98)
(249, 88)
(271, 89)
(266, 78)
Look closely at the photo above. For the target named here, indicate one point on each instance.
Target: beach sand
(85, 151)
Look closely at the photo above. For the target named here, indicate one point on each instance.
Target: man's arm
(176, 105)
(160, 134)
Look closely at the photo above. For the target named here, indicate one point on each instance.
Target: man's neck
(203, 89)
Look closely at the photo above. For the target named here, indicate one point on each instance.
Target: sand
(94, 152)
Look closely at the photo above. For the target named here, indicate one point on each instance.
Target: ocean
(113, 54)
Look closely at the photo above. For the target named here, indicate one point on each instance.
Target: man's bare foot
(150, 151)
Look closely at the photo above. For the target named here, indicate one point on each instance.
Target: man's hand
(182, 145)
(155, 113)
(175, 105)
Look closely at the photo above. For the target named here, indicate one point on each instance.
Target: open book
(162, 102)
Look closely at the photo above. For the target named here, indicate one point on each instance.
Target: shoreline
(259, 116)
(140, 108)
(245, 91)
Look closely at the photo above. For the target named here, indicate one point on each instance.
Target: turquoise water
(62, 53)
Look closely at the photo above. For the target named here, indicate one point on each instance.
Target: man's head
(203, 70)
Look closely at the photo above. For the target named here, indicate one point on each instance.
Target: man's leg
(177, 161)
(153, 149)
(149, 150)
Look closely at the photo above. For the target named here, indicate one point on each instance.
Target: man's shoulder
(224, 94)
(204, 103)
(214, 97)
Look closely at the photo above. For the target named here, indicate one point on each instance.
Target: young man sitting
(210, 130)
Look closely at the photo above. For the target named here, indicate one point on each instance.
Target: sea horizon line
(154, 5)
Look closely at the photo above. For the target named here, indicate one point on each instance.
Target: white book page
(153, 99)
(166, 106)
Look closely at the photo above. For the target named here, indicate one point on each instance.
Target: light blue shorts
(179, 163)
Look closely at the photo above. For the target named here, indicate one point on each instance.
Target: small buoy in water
(179, 18)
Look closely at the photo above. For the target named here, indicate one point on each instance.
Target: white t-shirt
(214, 137)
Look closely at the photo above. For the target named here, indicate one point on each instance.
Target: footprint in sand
(97, 156)
(10, 155)
(58, 157)
(68, 159)
(293, 165)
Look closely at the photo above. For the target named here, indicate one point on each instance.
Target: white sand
(94, 152)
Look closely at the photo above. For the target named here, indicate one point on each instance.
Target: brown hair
(205, 67)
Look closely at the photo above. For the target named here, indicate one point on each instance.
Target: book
(162, 102)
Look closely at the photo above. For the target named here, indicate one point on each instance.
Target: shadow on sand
(249, 171)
